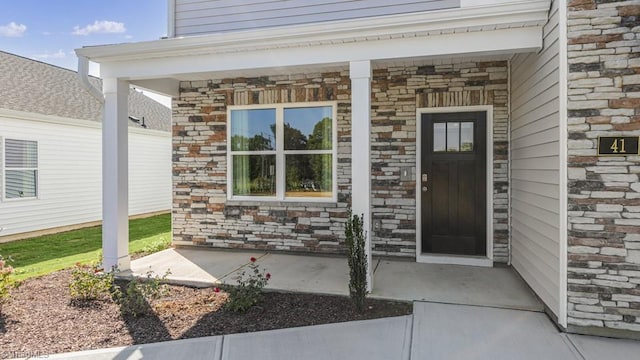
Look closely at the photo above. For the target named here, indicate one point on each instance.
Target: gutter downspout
(83, 76)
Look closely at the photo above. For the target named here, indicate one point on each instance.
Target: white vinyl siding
(535, 176)
(150, 185)
(70, 175)
(193, 17)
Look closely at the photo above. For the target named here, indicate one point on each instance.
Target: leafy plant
(248, 290)
(89, 282)
(357, 258)
(134, 300)
(6, 281)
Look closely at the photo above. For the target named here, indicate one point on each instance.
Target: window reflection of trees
(311, 171)
(306, 150)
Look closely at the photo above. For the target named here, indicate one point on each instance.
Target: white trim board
(456, 259)
(52, 119)
(563, 155)
(213, 65)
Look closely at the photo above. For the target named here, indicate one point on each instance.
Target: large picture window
(282, 152)
(20, 169)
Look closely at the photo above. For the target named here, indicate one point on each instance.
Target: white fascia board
(52, 119)
(504, 41)
(164, 86)
(58, 120)
(516, 14)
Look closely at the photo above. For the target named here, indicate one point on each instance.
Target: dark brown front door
(453, 183)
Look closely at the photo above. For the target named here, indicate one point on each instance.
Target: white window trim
(3, 162)
(280, 153)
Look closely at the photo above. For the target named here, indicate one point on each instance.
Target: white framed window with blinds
(282, 152)
(19, 169)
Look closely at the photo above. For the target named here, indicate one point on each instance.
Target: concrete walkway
(395, 280)
(434, 331)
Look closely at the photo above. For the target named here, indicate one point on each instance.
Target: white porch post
(360, 73)
(115, 177)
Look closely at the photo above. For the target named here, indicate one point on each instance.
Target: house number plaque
(618, 145)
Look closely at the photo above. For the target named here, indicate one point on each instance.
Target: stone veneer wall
(397, 93)
(604, 192)
(203, 216)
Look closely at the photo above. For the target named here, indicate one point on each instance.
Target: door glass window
(439, 139)
(466, 136)
(453, 137)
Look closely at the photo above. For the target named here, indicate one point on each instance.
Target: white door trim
(456, 259)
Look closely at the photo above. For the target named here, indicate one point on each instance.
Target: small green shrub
(357, 258)
(134, 300)
(89, 282)
(248, 290)
(6, 281)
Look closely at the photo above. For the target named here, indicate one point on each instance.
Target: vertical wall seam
(509, 237)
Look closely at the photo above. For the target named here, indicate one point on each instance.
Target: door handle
(425, 181)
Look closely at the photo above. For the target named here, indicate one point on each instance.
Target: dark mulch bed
(40, 319)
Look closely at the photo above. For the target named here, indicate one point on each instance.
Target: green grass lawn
(45, 254)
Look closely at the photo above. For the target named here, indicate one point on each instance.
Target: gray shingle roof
(33, 86)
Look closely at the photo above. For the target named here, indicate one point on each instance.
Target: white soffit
(470, 31)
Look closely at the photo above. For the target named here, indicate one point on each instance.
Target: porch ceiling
(462, 32)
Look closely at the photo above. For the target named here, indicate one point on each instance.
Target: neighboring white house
(50, 150)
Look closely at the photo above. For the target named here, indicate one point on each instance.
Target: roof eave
(517, 14)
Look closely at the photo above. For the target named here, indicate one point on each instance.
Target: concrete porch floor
(397, 280)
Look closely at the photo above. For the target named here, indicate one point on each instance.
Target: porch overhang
(470, 31)
(358, 45)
